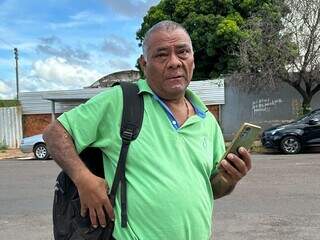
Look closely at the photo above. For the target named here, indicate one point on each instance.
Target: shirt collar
(144, 87)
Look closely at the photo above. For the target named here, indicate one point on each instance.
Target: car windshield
(311, 115)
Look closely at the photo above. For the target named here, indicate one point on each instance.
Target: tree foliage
(215, 27)
(273, 54)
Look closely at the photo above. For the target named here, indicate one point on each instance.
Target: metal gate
(10, 126)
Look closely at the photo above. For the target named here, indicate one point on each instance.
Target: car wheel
(40, 151)
(290, 145)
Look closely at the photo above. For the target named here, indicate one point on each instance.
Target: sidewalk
(14, 153)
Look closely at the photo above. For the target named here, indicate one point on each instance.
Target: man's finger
(109, 209)
(245, 156)
(101, 217)
(93, 217)
(234, 173)
(84, 210)
(238, 163)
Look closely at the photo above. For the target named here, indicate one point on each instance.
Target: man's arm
(92, 189)
(62, 149)
(228, 176)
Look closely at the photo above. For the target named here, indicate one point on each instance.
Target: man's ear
(142, 63)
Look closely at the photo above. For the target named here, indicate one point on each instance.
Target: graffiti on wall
(265, 104)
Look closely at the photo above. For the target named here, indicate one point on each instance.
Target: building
(39, 108)
(109, 80)
(224, 99)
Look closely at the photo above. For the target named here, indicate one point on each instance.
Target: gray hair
(166, 25)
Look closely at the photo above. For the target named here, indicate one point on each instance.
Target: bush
(2, 146)
(9, 103)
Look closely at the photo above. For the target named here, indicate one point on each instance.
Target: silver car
(36, 145)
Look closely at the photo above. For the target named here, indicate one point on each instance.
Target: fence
(10, 126)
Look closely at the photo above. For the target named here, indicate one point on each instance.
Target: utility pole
(17, 72)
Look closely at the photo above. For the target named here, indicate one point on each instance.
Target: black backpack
(67, 221)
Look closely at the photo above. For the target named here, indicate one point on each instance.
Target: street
(279, 199)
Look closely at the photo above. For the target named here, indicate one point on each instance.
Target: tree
(288, 51)
(215, 27)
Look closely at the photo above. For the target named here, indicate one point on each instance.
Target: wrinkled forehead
(163, 39)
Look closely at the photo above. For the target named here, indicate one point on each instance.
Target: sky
(67, 44)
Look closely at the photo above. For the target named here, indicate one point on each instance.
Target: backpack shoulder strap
(132, 114)
(132, 117)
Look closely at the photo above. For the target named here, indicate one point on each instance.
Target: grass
(255, 148)
(258, 149)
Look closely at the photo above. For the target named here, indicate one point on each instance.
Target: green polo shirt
(168, 169)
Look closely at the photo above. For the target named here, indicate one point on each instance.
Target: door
(312, 131)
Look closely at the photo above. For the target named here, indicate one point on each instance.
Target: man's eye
(183, 51)
(161, 55)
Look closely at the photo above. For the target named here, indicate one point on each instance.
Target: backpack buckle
(127, 135)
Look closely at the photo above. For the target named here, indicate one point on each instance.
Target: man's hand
(93, 197)
(231, 170)
(236, 167)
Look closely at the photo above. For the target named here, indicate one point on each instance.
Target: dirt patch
(14, 153)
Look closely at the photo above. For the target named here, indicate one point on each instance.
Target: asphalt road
(279, 199)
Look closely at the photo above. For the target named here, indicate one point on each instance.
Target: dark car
(295, 136)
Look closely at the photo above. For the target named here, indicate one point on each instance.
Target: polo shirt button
(174, 122)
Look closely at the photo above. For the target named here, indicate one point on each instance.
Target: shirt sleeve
(218, 147)
(83, 122)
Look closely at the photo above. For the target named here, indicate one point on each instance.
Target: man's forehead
(165, 39)
(167, 46)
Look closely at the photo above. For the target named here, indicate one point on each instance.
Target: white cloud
(118, 46)
(87, 16)
(7, 62)
(119, 64)
(5, 90)
(82, 18)
(53, 46)
(3, 87)
(56, 73)
(131, 8)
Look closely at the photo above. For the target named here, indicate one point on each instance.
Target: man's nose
(174, 61)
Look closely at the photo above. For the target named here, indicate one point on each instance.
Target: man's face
(169, 64)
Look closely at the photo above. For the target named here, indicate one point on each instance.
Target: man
(172, 168)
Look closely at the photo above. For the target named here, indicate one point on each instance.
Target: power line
(7, 43)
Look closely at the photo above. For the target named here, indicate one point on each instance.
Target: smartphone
(245, 137)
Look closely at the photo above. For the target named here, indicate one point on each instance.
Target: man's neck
(181, 108)
(174, 102)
